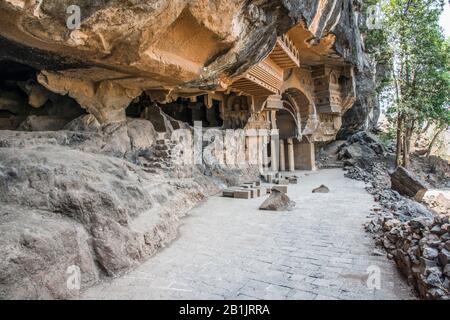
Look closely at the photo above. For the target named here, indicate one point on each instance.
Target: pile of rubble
(415, 237)
(361, 149)
(421, 249)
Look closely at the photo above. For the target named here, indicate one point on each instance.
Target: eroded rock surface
(81, 198)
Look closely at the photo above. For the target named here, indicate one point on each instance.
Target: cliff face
(125, 47)
(365, 112)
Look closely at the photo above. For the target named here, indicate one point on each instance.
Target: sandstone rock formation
(366, 111)
(81, 198)
(86, 117)
(171, 48)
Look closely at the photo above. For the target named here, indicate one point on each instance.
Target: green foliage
(386, 138)
(377, 48)
(412, 44)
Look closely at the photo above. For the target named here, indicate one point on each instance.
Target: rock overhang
(185, 49)
(178, 43)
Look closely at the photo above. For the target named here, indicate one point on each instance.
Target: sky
(445, 20)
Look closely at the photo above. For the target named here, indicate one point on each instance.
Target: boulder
(444, 257)
(447, 270)
(407, 184)
(84, 123)
(277, 201)
(420, 223)
(430, 253)
(142, 133)
(321, 189)
(38, 250)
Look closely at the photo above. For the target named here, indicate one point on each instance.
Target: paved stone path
(227, 249)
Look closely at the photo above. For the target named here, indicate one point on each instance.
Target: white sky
(445, 20)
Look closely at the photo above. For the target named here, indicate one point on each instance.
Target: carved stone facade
(305, 100)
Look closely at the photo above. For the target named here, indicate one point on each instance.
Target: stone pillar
(252, 147)
(211, 117)
(290, 142)
(282, 157)
(265, 156)
(273, 155)
(198, 113)
(305, 158)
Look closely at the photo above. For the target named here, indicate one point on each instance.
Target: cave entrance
(182, 110)
(185, 110)
(27, 105)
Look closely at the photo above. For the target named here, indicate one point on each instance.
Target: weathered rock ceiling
(124, 47)
(193, 43)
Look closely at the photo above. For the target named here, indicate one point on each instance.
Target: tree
(413, 46)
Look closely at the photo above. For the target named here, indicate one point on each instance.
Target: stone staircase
(159, 157)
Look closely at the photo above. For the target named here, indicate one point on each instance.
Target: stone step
(242, 194)
(293, 180)
(161, 166)
(162, 153)
(165, 142)
(281, 181)
(160, 147)
(153, 162)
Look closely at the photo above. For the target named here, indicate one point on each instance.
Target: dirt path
(227, 249)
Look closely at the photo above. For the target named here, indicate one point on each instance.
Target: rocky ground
(91, 196)
(415, 235)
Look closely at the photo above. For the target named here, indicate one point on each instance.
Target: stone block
(293, 180)
(250, 184)
(229, 193)
(281, 188)
(282, 181)
(259, 192)
(242, 194)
